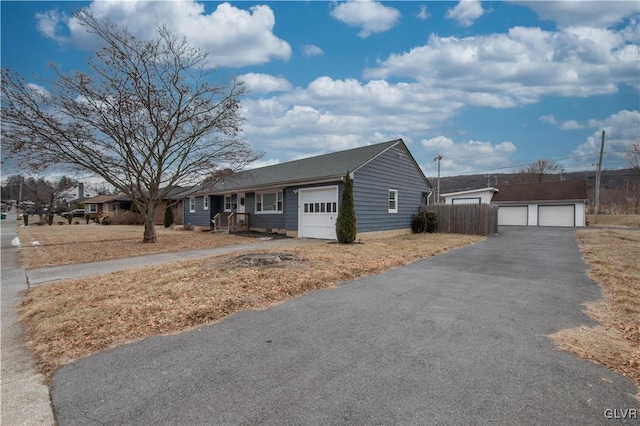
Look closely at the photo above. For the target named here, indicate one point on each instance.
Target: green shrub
(418, 223)
(50, 219)
(70, 218)
(424, 222)
(346, 220)
(168, 216)
(431, 222)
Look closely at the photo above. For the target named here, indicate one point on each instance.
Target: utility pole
(598, 172)
(438, 158)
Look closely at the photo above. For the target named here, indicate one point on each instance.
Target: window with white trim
(192, 204)
(269, 202)
(393, 201)
(92, 208)
(205, 202)
(227, 203)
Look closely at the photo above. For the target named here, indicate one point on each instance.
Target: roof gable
(544, 191)
(327, 166)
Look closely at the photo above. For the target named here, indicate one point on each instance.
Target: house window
(269, 202)
(227, 203)
(192, 204)
(92, 208)
(205, 202)
(393, 201)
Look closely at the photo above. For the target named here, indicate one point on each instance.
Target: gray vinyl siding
(291, 209)
(200, 217)
(264, 220)
(394, 169)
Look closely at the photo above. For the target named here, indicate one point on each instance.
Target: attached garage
(513, 215)
(563, 215)
(318, 210)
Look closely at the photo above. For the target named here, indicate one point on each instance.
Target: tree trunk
(150, 225)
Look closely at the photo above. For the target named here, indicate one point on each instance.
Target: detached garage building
(302, 198)
(542, 204)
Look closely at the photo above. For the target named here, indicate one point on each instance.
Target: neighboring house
(542, 204)
(531, 204)
(173, 198)
(472, 196)
(103, 205)
(302, 198)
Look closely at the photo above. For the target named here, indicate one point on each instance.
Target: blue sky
(490, 86)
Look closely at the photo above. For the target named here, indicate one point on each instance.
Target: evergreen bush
(346, 220)
(168, 216)
(431, 222)
(418, 223)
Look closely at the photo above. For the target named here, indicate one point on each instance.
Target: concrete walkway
(24, 397)
(57, 273)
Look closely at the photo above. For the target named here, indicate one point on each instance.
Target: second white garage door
(513, 215)
(556, 215)
(317, 213)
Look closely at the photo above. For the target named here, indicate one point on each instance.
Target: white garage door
(317, 212)
(556, 215)
(513, 215)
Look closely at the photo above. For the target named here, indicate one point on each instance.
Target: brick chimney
(80, 191)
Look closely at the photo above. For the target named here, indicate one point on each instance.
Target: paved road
(455, 339)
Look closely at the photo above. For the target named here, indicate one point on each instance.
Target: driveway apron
(460, 338)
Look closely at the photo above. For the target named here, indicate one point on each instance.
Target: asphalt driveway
(455, 339)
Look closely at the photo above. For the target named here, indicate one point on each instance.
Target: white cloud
(264, 83)
(231, 36)
(566, 125)
(371, 16)
(466, 12)
(622, 130)
(571, 125)
(549, 119)
(49, 23)
(583, 13)
(424, 13)
(519, 67)
(468, 157)
(311, 50)
(38, 90)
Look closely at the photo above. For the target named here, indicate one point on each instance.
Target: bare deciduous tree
(145, 117)
(45, 194)
(633, 156)
(540, 168)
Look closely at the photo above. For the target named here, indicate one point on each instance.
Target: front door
(240, 203)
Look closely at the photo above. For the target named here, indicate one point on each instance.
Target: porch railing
(231, 222)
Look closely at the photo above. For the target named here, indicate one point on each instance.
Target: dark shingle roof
(545, 191)
(327, 166)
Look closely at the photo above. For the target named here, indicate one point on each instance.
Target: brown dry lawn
(614, 257)
(616, 220)
(70, 244)
(72, 319)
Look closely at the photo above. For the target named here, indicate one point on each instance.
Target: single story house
(302, 198)
(103, 205)
(532, 204)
